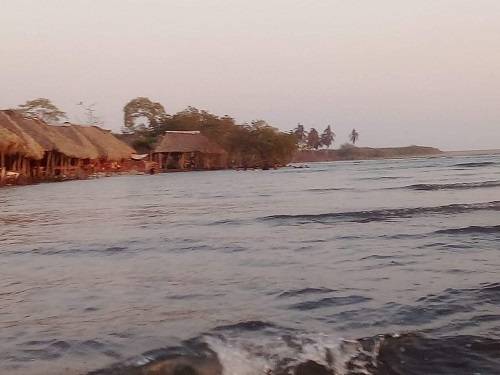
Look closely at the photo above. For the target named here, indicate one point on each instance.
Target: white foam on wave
(266, 355)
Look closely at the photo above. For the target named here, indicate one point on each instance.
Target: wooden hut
(188, 150)
(17, 148)
(112, 152)
(10, 144)
(34, 149)
(62, 156)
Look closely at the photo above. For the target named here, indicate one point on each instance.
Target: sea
(357, 267)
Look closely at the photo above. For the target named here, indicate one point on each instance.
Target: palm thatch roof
(108, 146)
(24, 143)
(73, 132)
(179, 141)
(32, 137)
(10, 143)
(50, 137)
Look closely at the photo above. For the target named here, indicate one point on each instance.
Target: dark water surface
(372, 267)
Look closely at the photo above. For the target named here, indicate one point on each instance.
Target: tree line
(312, 140)
(254, 144)
(249, 144)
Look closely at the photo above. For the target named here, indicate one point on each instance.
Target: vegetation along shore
(36, 144)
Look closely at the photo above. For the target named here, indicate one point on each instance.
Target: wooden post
(181, 160)
(2, 167)
(47, 164)
(16, 161)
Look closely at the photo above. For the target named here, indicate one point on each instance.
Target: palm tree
(313, 139)
(327, 137)
(354, 136)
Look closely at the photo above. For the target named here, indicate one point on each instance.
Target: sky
(401, 72)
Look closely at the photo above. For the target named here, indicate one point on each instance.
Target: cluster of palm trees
(313, 140)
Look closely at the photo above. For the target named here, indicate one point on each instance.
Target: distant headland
(350, 152)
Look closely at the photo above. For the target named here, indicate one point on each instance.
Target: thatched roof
(173, 141)
(10, 143)
(73, 132)
(27, 146)
(108, 146)
(50, 137)
(34, 137)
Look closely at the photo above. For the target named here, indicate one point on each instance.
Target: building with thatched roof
(34, 149)
(25, 145)
(107, 145)
(184, 150)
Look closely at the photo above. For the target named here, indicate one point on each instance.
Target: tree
(300, 135)
(42, 108)
(264, 145)
(353, 136)
(249, 145)
(142, 114)
(327, 137)
(313, 140)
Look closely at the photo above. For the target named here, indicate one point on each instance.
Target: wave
(327, 189)
(474, 164)
(454, 186)
(473, 229)
(382, 178)
(381, 214)
(309, 354)
(330, 301)
(305, 291)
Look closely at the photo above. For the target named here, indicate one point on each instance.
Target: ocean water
(364, 267)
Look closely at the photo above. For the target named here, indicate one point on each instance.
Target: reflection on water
(95, 272)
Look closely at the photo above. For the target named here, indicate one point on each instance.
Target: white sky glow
(399, 71)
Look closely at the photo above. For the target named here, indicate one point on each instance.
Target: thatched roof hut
(50, 138)
(32, 137)
(74, 133)
(14, 139)
(181, 150)
(107, 145)
(33, 149)
(10, 143)
(187, 141)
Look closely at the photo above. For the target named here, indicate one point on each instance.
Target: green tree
(313, 139)
(300, 134)
(327, 137)
(42, 108)
(249, 145)
(143, 115)
(354, 136)
(268, 146)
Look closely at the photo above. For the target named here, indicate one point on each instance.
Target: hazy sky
(400, 71)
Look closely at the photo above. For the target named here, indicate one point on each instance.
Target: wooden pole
(2, 167)
(47, 164)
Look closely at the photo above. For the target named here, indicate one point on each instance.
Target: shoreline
(366, 153)
(99, 175)
(351, 152)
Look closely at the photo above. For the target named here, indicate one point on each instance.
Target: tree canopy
(354, 136)
(143, 114)
(257, 144)
(42, 108)
(301, 135)
(313, 139)
(327, 137)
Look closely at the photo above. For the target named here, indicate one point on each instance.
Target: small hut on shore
(188, 150)
(112, 152)
(17, 148)
(35, 150)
